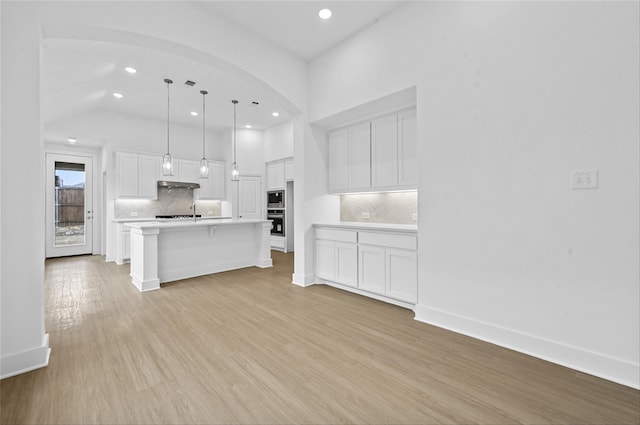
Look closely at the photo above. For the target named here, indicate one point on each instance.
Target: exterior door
(250, 198)
(69, 205)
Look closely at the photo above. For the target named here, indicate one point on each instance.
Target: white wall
(176, 27)
(24, 342)
(124, 132)
(512, 97)
(278, 142)
(250, 152)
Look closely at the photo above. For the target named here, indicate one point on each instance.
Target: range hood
(177, 185)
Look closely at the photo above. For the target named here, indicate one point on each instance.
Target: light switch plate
(134, 213)
(364, 215)
(584, 179)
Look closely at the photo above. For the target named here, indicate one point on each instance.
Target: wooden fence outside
(69, 206)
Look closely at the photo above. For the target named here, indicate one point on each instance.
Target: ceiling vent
(190, 83)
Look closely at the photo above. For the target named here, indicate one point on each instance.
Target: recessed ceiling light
(194, 114)
(130, 70)
(325, 13)
(247, 126)
(118, 95)
(72, 140)
(275, 114)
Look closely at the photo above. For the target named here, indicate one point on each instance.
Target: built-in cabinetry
(377, 154)
(275, 175)
(380, 263)
(288, 170)
(278, 173)
(350, 158)
(123, 243)
(337, 256)
(138, 175)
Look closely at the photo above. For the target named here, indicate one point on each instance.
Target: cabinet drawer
(337, 235)
(388, 240)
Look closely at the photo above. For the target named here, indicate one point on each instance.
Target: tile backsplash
(170, 201)
(384, 207)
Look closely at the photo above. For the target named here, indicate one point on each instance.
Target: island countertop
(189, 223)
(165, 251)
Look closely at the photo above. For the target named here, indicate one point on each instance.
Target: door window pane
(69, 211)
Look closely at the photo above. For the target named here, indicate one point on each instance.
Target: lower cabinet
(337, 256)
(381, 263)
(402, 275)
(372, 270)
(123, 241)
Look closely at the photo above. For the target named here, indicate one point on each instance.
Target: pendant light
(167, 162)
(235, 174)
(204, 163)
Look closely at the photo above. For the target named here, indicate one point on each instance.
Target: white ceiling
(295, 26)
(80, 76)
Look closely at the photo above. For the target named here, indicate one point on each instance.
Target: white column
(144, 258)
(263, 244)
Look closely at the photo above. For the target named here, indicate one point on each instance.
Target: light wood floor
(249, 347)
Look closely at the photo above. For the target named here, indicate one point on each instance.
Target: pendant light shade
(167, 161)
(235, 174)
(204, 163)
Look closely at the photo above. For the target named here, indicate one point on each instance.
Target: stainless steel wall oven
(278, 222)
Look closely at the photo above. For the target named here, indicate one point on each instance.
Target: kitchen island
(168, 251)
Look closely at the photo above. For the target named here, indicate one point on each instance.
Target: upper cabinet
(185, 170)
(407, 148)
(350, 158)
(213, 187)
(137, 175)
(288, 169)
(379, 154)
(275, 175)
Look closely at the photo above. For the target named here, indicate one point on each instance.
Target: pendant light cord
(235, 102)
(168, 81)
(204, 93)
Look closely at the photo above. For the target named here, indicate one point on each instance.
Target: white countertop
(190, 223)
(412, 228)
(149, 219)
(132, 220)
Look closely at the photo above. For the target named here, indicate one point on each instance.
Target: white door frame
(51, 250)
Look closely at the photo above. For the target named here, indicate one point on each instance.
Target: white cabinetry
(402, 274)
(337, 256)
(378, 154)
(275, 175)
(137, 175)
(350, 158)
(288, 170)
(384, 151)
(381, 264)
(186, 171)
(123, 243)
(407, 148)
(371, 261)
(389, 264)
(213, 187)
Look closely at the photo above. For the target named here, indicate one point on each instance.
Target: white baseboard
(26, 361)
(368, 294)
(597, 364)
(303, 280)
(145, 285)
